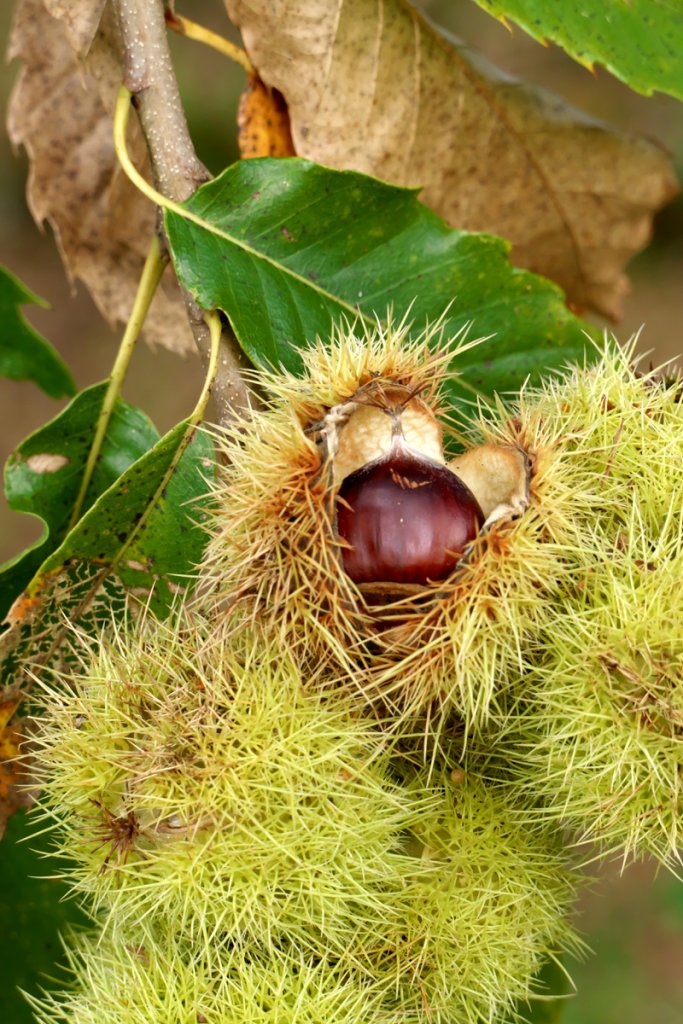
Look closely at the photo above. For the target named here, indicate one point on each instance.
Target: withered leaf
(263, 122)
(61, 112)
(81, 19)
(372, 87)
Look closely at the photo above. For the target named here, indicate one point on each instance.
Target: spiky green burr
(202, 780)
(249, 791)
(148, 975)
(601, 736)
(492, 908)
(600, 733)
(281, 839)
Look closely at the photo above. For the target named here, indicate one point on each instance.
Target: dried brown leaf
(81, 20)
(61, 112)
(372, 87)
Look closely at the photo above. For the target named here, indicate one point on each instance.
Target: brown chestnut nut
(405, 518)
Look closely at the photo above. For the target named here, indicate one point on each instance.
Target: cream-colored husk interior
(498, 476)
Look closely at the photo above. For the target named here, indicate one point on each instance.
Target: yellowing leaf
(263, 122)
(372, 87)
(60, 111)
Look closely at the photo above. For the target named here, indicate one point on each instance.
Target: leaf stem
(121, 114)
(213, 322)
(150, 77)
(215, 327)
(191, 29)
(151, 275)
(234, 398)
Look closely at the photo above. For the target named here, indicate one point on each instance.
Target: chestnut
(405, 518)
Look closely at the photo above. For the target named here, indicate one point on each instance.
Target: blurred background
(632, 920)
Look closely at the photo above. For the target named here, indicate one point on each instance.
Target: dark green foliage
(24, 355)
(43, 475)
(639, 41)
(286, 247)
(33, 915)
(143, 534)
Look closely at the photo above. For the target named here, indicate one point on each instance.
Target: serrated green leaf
(147, 526)
(143, 535)
(286, 247)
(43, 475)
(24, 354)
(639, 41)
(33, 914)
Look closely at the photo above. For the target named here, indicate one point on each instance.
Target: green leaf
(33, 915)
(286, 247)
(143, 535)
(24, 354)
(639, 41)
(146, 527)
(43, 475)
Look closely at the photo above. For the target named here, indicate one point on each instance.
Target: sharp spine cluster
(218, 812)
(313, 798)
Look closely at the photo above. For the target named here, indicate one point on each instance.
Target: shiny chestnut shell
(406, 520)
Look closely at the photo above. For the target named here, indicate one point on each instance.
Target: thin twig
(177, 170)
(150, 78)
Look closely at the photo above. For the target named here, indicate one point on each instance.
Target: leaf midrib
(262, 257)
